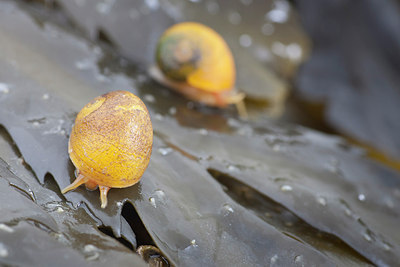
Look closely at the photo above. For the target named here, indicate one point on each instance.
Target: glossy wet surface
(218, 190)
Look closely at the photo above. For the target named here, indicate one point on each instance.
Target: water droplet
(21, 160)
(228, 208)
(245, 40)
(3, 250)
(286, 188)
(97, 50)
(152, 4)
(160, 194)
(276, 147)
(89, 248)
(172, 110)
(153, 202)
(6, 228)
(246, 2)
(298, 259)
(279, 49)
(289, 224)
(149, 98)
(164, 150)
(274, 259)
(37, 122)
(367, 237)
(91, 170)
(235, 18)
(277, 16)
(245, 131)
(84, 64)
(54, 207)
(51, 31)
(45, 96)
(193, 243)
(203, 131)
(233, 168)
(233, 123)
(262, 53)
(92, 250)
(60, 237)
(4, 88)
(361, 197)
(294, 51)
(212, 7)
(70, 150)
(267, 29)
(60, 210)
(386, 246)
(348, 212)
(120, 203)
(105, 7)
(346, 207)
(158, 116)
(389, 202)
(333, 165)
(280, 13)
(321, 201)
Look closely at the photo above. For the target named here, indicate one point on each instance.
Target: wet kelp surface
(360, 41)
(218, 190)
(265, 38)
(38, 228)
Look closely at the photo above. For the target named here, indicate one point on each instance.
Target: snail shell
(196, 61)
(110, 143)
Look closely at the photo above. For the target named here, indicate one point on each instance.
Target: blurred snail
(110, 143)
(195, 60)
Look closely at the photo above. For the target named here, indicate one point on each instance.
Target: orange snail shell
(111, 143)
(195, 60)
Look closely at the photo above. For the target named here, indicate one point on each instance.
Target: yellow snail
(195, 60)
(110, 143)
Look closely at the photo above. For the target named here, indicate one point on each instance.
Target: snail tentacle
(78, 181)
(103, 195)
